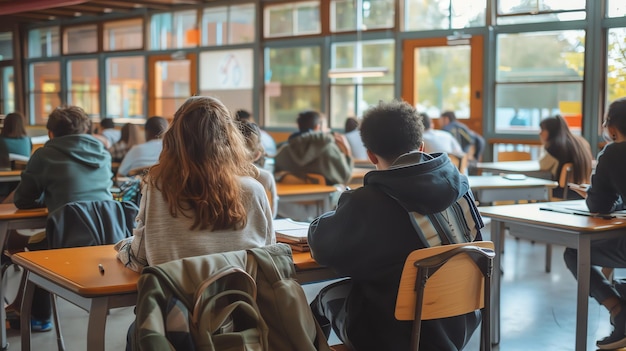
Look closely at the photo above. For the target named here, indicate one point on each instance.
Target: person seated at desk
(466, 137)
(201, 197)
(107, 130)
(131, 135)
(146, 154)
(71, 166)
(14, 135)
(605, 195)
(354, 139)
(370, 235)
(269, 145)
(561, 147)
(438, 140)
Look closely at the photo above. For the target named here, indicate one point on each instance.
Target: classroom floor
(538, 308)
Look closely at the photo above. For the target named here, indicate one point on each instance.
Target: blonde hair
(203, 156)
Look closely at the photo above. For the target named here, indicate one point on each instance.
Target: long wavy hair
(566, 147)
(203, 155)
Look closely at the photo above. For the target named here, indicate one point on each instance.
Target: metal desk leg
(4, 345)
(497, 236)
(27, 302)
(97, 323)
(582, 301)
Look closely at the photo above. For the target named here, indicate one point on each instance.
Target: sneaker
(617, 339)
(37, 325)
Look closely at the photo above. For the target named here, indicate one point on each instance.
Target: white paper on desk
(582, 209)
(291, 230)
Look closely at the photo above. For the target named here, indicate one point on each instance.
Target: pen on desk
(101, 269)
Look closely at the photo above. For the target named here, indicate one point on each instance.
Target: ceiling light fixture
(365, 72)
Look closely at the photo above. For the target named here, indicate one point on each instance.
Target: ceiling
(45, 10)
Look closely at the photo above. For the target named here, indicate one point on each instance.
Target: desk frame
(320, 197)
(577, 239)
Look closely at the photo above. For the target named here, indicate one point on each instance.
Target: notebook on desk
(581, 209)
(290, 231)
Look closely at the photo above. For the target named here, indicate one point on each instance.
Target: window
(616, 64)
(530, 11)
(538, 75)
(43, 42)
(292, 19)
(125, 78)
(443, 14)
(8, 90)
(6, 46)
(292, 83)
(83, 90)
(616, 8)
(123, 35)
(79, 40)
(373, 14)
(351, 96)
(228, 75)
(44, 89)
(228, 25)
(175, 30)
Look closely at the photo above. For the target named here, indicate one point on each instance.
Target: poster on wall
(226, 70)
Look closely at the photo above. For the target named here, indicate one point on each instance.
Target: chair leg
(57, 324)
(548, 258)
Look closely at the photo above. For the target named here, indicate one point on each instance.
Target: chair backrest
(504, 156)
(459, 162)
(90, 223)
(445, 281)
(308, 178)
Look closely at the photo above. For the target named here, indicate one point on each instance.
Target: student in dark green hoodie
(71, 166)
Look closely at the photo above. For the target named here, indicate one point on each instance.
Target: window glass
(174, 30)
(290, 19)
(82, 39)
(172, 86)
(525, 11)
(123, 35)
(228, 75)
(6, 46)
(228, 25)
(540, 56)
(443, 14)
(125, 88)
(374, 14)
(43, 42)
(83, 90)
(616, 8)
(8, 90)
(44, 90)
(350, 96)
(292, 83)
(538, 74)
(616, 64)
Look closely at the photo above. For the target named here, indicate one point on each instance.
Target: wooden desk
(358, 174)
(528, 222)
(10, 176)
(509, 166)
(73, 275)
(309, 271)
(306, 192)
(13, 218)
(488, 189)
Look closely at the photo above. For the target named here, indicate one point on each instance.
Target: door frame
(193, 79)
(476, 44)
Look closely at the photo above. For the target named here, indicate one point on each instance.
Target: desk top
(510, 166)
(302, 189)
(303, 261)
(9, 211)
(76, 269)
(531, 214)
(12, 173)
(499, 182)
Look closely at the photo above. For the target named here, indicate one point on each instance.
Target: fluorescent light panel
(366, 72)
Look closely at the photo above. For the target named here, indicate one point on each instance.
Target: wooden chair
(459, 162)
(447, 281)
(504, 156)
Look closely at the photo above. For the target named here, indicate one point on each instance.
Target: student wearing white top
(354, 139)
(146, 154)
(439, 140)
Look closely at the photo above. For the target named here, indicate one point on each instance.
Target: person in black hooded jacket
(369, 236)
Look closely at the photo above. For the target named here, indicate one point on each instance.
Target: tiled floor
(538, 309)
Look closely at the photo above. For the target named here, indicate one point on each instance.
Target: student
(14, 135)
(606, 194)
(465, 136)
(354, 139)
(71, 166)
(252, 135)
(269, 145)
(312, 150)
(370, 235)
(201, 197)
(439, 141)
(131, 135)
(146, 154)
(107, 130)
(561, 147)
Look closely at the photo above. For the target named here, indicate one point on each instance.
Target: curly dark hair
(67, 120)
(391, 129)
(616, 115)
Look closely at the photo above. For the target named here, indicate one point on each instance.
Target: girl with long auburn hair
(201, 197)
(561, 147)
